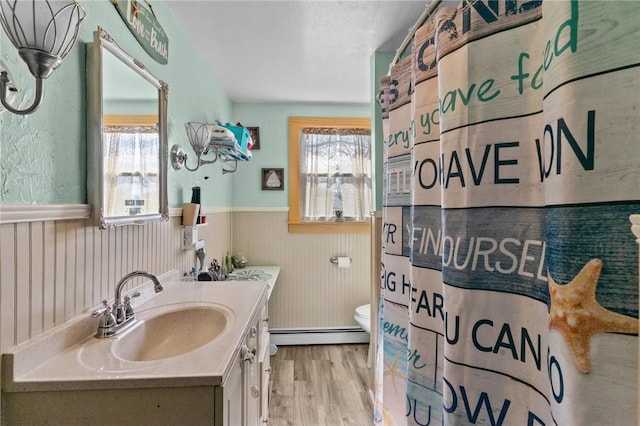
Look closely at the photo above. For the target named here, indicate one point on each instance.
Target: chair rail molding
(19, 213)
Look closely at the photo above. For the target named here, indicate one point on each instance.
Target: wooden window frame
(130, 120)
(296, 124)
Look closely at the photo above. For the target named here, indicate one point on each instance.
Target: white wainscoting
(311, 293)
(54, 270)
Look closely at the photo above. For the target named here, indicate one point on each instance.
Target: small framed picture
(255, 137)
(272, 179)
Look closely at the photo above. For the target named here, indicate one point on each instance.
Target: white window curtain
(335, 174)
(131, 170)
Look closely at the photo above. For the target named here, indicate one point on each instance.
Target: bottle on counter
(195, 199)
(223, 271)
(229, 263)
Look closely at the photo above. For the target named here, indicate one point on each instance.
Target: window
(131, 165)
(329, 174)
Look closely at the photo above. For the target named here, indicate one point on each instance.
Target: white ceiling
(305, 51)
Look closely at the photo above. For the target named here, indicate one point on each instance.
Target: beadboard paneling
(216, 235)
(54, 270)
(311, 292)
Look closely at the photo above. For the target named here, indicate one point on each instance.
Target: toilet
(363, 317)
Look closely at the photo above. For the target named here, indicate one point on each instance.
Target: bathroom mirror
(127, 136)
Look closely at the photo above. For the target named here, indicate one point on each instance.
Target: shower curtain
(509, 293)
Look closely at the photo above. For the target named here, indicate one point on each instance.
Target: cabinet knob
(247, 354)
(255, 392)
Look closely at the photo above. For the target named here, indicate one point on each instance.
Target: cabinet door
(230, 413)
(252, 379)
(265, 374)
(265, 363)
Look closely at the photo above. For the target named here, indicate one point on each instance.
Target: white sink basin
(171, 333)
(186, 335)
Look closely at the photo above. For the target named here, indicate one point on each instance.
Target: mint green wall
(274, 146)
(43, 155)
(379, 67)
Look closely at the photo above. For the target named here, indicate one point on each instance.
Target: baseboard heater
(318, 336)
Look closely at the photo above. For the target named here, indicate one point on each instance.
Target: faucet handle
(128, 308)
(107, 319)
(127, 298)
(100, 311)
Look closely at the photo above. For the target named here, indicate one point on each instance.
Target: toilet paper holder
(334, 259)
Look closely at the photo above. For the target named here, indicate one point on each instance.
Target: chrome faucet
(120, 316)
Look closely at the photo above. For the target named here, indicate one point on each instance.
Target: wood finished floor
(320, 385)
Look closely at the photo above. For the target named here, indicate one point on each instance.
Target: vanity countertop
(65, 358)
(269, 274)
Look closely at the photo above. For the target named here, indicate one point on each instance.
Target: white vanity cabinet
(251, 393)
(264, 364)
(270, 275)
(237, 401)
(224, 383)
(243, 399)
(228, 397)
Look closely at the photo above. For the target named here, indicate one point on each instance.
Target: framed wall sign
(255, 137)
(145, 28)
(272, 179)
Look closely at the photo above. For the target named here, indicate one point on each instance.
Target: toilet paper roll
(344, 262)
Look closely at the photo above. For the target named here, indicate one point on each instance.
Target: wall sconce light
(199, 135)
(44, 32)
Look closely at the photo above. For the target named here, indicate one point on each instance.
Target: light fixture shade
(199, 135)
(49, 26)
